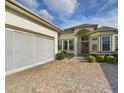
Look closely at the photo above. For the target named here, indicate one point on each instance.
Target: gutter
(21, 9)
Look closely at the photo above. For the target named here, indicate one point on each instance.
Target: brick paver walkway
(67, 76)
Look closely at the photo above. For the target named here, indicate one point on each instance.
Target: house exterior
(88, 39)
(30, 40)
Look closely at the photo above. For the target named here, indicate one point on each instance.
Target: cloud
(88, 5)
(31, 4)
(34, 6)
(107, 4)
(44, 13)
(72, 12)
(61, 7)
(110, 19)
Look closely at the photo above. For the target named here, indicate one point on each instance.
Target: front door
(84, 48)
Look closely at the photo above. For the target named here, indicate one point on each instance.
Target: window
(94, 43)
(71, 43)
(65, 46)
(84, 38)
(94, 47)
(94, 39)
(60, 45)
(116, 43)
(105, 43)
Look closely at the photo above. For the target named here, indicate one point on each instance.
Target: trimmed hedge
(93, 55)
(105, 55)
(60, 56)
(111, 59)
(63, 55)
(100, 58)
(91, 59)
(115, 55)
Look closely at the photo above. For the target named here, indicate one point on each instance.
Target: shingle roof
(81, 25)
(105, 28)
(85, 25)
(70, 29)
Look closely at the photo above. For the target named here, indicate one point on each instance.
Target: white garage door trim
(34, 60)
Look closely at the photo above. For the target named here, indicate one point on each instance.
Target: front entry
(84, 48)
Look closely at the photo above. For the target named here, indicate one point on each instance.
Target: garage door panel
(39, 49)
(44, 50)
(52, 49)
(9, 50)
(23, 49)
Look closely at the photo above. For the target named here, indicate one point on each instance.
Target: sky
(68, 13)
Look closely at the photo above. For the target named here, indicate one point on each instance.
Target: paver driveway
(67, 76)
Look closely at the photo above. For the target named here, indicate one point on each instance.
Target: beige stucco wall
(66, 36)
(14, 18)
(70, 35)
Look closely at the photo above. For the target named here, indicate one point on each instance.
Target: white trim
(62, 44)
(28, 33)
(114, 41)
(76, 45)
(26, 67)
(99, 43)
(68, 44)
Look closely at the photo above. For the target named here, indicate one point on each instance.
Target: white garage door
(25, 49)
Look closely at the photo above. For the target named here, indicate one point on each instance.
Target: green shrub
(106, 56)
(70, 55)
(115, 55)
(93, 55)
(111, 59)
(60, 56)
(91, 59)
(64, 52)
(100, 58)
